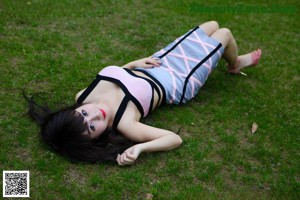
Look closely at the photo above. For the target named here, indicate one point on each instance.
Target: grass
(57, 47)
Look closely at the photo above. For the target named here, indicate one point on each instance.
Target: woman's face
(96, 117)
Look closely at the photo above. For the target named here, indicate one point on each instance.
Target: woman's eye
(84, 113)
(92, 127)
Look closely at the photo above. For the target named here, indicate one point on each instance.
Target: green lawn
(57, 47)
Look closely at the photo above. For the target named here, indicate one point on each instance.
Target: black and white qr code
(15, 183)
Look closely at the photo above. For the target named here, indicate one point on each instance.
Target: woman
(104, 124)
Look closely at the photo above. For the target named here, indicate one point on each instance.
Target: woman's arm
(151, 138)
(144, 63)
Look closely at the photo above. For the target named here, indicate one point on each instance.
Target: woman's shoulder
(110, 70)
(79, 94)
(105, 71)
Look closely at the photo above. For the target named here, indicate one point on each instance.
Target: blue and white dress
(185, 65)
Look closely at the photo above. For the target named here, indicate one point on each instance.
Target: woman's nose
(95, 116)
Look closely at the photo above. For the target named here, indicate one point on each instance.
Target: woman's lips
(103, 113)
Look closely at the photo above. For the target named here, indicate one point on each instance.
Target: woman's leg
(235, 62)
(224, 36)
(209, 27)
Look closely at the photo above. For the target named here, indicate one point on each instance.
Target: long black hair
(63, 131)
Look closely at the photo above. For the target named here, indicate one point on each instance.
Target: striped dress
(186, 65)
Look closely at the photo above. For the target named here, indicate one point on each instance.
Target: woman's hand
(129, 156)
(144, 63)
(149, 139)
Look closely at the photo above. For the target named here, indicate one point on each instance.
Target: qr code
(15, 183)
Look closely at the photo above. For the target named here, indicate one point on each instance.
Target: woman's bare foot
(246, 60)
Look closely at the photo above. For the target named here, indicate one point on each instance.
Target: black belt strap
(120, 112)
(195, 68)
(175, 45)
(89, 89)
(152, 84)
(163, 95)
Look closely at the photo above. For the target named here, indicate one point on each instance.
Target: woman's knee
(209, 27)
(214, 24)
(211, 24)
(226, 32)
(223, 35)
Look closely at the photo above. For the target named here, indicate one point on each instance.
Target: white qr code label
(15, 183)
